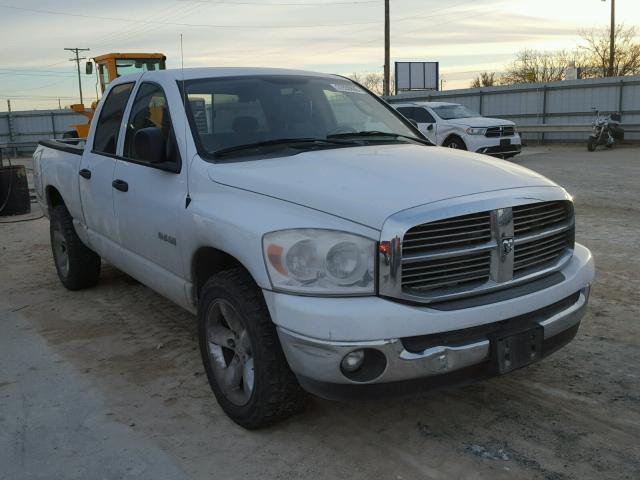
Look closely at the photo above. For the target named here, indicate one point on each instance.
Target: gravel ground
(107, 383)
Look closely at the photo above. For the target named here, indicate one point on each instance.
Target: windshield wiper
(376, 133)
(279, 142)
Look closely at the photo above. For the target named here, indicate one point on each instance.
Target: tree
(626, 60)
(535, 66)
(373, 81)
(485, 79)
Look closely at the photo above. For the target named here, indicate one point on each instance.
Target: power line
(288, 4)
(177, 24)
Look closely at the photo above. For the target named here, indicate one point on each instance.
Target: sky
(332, 36)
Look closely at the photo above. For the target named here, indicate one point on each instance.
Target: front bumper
(422, 354)
(497, 146)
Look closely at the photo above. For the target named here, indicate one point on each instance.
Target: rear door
(97, 167)
(152, 196)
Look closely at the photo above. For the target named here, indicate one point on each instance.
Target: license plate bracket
(519, 349)
(505, 142)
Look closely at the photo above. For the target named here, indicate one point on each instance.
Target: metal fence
(21, 131)
(549, 111)
(554, 111)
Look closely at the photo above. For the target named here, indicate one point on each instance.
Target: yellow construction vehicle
(109, 67)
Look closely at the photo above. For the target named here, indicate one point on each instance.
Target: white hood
(480, 122)
(367, 184)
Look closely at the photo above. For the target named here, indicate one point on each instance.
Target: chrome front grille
(541, 236)
(471, 253)
(447, 271)
(504, 131)
(464, 231)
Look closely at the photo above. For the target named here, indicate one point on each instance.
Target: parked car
(322, 242)
(455, 126)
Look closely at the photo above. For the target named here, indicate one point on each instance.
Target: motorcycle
(606, 131)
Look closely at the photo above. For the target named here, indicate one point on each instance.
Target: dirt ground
(107, 383)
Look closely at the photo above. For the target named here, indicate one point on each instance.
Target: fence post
(544, 111)
(620, 98)
(53, 125)
(480, 100)
(10, 125)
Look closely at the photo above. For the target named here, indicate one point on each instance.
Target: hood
(367, 184)
(480, 122)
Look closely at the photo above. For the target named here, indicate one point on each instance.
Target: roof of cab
(424, 104)
(210, 72)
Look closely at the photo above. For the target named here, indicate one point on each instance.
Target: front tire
(241, 352)
(591, 144)
(455, 143)
(78, 266)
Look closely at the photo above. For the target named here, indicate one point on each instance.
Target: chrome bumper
(320, 360)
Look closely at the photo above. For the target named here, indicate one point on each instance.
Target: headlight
(476, 131)
(320, 262)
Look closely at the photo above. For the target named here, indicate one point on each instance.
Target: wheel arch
(206, 261)
(53, 197)
(454, 135)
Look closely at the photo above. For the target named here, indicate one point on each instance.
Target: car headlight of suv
(320, 262)
(476, 131)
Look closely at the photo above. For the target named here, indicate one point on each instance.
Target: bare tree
(596, 52)
(536, 66)
(485, 79)
(373, 81)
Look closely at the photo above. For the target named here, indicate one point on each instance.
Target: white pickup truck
(323, 243)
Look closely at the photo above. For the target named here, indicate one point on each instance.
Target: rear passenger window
(150, 110)
(106, 137)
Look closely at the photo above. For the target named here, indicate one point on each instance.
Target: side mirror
(430, 127)
(88, 68)
(150, 145)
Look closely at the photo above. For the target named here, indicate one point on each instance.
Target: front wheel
(456, 143)
(241, 352)
(591, 144)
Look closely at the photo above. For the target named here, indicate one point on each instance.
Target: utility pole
(387, 44)
(612, 38)
(77, 60)
(612, 49)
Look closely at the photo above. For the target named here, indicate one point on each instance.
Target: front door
(96, 172)
(426, 123)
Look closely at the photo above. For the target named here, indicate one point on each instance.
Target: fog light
(353, 361)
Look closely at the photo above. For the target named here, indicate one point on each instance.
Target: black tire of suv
(276, 394)
(455, 143)
(83, 263)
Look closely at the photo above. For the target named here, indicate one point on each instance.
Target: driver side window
(150, 110)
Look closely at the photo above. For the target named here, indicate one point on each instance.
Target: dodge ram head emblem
(507, 246)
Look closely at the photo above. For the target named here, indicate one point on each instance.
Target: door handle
(84, 173)
(120, 185)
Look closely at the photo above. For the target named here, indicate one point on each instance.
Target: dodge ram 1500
(324, 244)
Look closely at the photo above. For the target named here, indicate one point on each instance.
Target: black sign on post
(417, 76)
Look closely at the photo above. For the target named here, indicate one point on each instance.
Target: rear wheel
(77, 266)
(455, 142)
(241, 352)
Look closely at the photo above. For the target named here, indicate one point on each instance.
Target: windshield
(448, 112)
(229, 113)
(128, 66)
